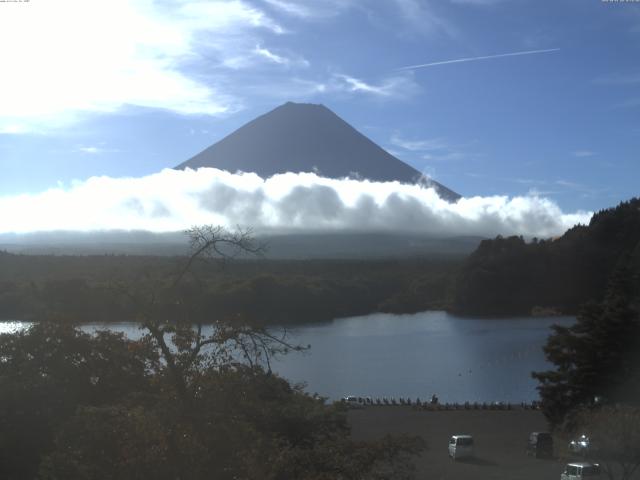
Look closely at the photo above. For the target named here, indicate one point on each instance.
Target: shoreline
(452, 313)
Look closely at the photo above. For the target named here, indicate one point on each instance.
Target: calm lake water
(417, 355)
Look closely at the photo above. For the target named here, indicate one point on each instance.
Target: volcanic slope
(300, 137)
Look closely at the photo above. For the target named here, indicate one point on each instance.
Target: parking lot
(500, 438)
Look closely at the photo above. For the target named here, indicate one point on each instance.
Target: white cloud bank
(174, 200)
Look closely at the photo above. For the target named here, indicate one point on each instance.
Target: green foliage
(81, 406)
(47, 372)
(599, 356)
(269, 292)
(508, 276)
(179, 403)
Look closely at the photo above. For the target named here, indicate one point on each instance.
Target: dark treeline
(177, 403)
(87, 288)
(507, 276)
(597, 358)
(504, 276)
(102, 407)
(594, 386)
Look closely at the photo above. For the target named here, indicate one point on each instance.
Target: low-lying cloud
(174, 200)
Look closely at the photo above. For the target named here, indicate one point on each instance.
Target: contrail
(473, 59)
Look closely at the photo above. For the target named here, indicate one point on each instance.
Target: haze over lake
(378, 355)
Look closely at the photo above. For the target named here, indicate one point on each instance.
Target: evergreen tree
(597, 357)
(507, 276)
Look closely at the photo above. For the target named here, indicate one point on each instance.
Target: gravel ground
(500, 438)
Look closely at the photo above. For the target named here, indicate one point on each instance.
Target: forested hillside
(508, 276)
(504, 276)
(96, 288)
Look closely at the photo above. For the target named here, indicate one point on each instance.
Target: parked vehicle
(580, 471)
(461, 446)
(580, 446)
(540, 445)
(353, 402)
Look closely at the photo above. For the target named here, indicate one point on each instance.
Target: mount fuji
(302, 137)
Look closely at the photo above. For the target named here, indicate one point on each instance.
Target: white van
(580, 471)
(461, 446)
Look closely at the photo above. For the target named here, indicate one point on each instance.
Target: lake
(387, 355)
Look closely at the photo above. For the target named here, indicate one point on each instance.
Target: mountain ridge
(305, 137)
(509, 276)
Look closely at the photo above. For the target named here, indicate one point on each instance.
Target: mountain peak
(301, 108)
(297, 104)
(306, 137)
(303, 105)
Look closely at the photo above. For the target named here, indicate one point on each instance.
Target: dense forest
(597, 358)
(504, 276)
(102, 407)
(90, 288)
(593, 388)
(180, 404)
(177, 403)
(507, 276)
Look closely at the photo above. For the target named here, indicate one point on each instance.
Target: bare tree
(187, 343)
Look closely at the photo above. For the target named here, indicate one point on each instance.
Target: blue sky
(127, 88)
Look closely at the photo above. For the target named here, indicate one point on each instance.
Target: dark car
(540, 445)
